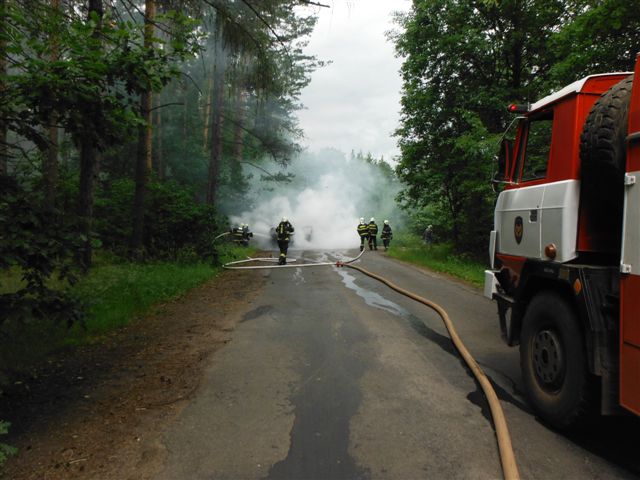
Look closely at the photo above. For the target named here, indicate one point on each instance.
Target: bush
(40, 242)
(440, 257)
(5, 450)
(177, 227)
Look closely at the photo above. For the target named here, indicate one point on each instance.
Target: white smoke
(323, 203)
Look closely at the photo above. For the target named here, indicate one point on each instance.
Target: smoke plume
(324, 201)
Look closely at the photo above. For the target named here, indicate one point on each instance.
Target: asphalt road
(332, 375)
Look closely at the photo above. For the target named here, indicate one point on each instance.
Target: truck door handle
(533, 215)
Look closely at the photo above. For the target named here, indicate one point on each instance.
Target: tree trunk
(185, 110)
(207, 111)
(88, 160)
(50, 167)
(216, 127)
(88, 167)
(238, 136)
(4, 150)
(159, 152)
(144, 156)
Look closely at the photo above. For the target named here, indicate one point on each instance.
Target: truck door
(630, 262)
(518, 210)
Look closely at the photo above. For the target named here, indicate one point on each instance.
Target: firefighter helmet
(386, 222)
(372, 219)
(284, 219)
(361, 219)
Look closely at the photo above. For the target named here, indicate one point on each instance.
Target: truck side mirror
(504, 161)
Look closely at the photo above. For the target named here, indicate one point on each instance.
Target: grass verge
(115, 293)
(438, 257)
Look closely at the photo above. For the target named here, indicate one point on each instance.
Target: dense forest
(124, 126)
(464, 62)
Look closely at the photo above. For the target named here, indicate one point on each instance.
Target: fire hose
(507, 457)
(229, 265)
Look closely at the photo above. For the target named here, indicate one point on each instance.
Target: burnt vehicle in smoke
(308, 233)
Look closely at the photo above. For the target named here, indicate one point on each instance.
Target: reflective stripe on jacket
(283, 230)
(363, 230)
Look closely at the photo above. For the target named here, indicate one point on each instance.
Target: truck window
(538, 146)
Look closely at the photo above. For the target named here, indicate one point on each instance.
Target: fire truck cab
(565, 249)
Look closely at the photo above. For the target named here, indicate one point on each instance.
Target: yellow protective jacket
(373, 228)
(283, 230)
(363, 230)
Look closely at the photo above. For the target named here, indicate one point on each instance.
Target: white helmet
(361, 219)
(386, 222)
(372, 219)
(284, 219)
(242, 225)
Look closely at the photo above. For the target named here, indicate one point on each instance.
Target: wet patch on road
(444, 342)
(325, 401)
(257, 312)
(378, 301)
(298, 278)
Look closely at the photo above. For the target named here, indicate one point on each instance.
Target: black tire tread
(602, 140)
(603, 159)
(545, 405)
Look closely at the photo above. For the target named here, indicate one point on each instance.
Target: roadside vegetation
(113, 294)
(440, 257)
(464, 62)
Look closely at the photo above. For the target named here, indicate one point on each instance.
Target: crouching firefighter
(236, 234)
(363, 231)
(246, 234)
(283, 233)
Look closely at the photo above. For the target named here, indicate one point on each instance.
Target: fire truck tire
(602, 157)
(553, 361)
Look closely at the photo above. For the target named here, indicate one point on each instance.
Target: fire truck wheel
(603, 157)
(553, 361)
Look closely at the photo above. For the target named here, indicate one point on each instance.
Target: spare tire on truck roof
(603, 159)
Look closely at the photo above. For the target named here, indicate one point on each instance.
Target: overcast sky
(354, 103)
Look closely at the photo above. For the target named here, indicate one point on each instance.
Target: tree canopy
(124, 125)
(464, 62)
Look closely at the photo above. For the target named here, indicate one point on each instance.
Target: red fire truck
(565, 249)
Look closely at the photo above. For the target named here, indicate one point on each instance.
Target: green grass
(438, 257)
(115, 293)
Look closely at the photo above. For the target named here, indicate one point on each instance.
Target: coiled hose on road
(507, 457)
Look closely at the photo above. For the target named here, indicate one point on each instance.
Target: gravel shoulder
(99, 410)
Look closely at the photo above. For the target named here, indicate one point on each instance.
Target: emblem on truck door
(518, 229)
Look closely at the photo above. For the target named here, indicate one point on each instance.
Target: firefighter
(363, 231)
(283, 233)
(246, 234)
(236, 234)
(387, 235)
(428, 235)
(373, 232)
